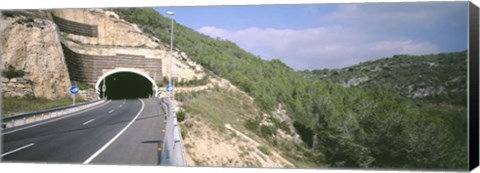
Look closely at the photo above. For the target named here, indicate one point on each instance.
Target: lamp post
(170, 13)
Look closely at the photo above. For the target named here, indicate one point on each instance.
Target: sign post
(74, 90)
(169, 90)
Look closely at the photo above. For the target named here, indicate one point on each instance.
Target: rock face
(111, 29)
(32, 45)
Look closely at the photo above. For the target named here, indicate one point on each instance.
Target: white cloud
(351, 34)
(398, 17)
(321, 47)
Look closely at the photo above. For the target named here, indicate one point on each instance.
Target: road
(115, 132)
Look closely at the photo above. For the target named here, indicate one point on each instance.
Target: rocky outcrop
(355, 81)
(32, 46)
(112, 30)
(17, 87)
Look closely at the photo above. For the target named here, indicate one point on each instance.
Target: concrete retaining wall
(89, 68)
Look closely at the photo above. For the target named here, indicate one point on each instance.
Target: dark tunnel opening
(125, 85)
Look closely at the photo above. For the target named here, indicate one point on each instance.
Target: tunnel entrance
(125, 85)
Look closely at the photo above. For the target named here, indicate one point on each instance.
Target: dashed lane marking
(89, 121)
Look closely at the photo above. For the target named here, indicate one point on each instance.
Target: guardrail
(21, 119)
(173, 152)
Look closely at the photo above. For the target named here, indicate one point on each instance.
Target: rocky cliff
(31, 49)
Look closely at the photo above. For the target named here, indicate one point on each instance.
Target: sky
(317, 36)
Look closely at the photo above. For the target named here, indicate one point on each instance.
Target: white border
(51, 4)
(54, 4)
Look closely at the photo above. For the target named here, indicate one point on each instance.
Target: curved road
(115, 132)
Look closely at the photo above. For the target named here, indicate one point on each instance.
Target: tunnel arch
(122, 70)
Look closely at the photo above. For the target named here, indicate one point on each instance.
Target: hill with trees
(436, 78)
(352, 127)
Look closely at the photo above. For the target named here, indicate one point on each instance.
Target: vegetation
(183, 131)
(445, 75)
(184, 83)
(83, 85)
(180, 116)
(11, 72)
(12, 106)
(264, 149)
(359, 127)
(216, 107)
(191, 83)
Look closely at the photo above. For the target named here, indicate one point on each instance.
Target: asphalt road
(116, 132)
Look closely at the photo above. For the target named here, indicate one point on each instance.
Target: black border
(473, 86)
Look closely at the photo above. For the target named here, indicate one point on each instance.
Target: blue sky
(315, 36)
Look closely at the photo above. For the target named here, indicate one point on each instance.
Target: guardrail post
(43, 116)
(34, 118)
(13, 123)
(24, 120)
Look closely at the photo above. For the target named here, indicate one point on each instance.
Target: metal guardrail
(41, 115)
(173, 150)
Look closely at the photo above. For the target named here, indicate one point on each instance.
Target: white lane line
(89, 121)
(120, 106)
(114, 138)
(62, 117)
(110, 111)
(18, 149)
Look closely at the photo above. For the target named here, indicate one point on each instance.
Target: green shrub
(83, 85)
(281, 124)
(11, 72)
(180, 116)
(266, 131)
(183, 131)
(264, 149)
(251, 125)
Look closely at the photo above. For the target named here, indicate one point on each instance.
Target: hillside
(340, 127)
(437, 78)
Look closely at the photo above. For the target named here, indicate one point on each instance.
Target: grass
(264, 149)
(11, 106)
(183, 131)
(218, 107)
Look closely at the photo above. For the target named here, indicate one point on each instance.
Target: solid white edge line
(18, 149)
(89, 121)
(115, 137)
(62, 117)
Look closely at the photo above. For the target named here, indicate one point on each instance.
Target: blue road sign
(74, 89)
(169, 88)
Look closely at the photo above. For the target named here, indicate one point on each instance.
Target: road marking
(89, 121)
(62, 117)
(110, 111)
(120, 106)
(18, 149)
(115, 137)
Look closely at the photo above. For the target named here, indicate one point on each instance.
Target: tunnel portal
(125, 85)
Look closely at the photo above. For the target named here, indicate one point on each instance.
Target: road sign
(74, 89)
(169, 88)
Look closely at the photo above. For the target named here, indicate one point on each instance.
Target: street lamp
(170, 13)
